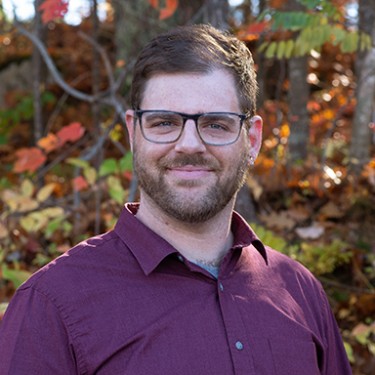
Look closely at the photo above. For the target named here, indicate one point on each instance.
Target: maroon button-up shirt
(127, 303)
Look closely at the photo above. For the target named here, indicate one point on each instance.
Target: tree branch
(102, 96)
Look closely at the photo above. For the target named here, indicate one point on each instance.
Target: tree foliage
(296, 33)
(54, 190)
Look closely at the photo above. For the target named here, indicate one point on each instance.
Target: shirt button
(239, 345)
(221, 287)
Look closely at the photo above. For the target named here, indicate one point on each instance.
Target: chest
(193, 324)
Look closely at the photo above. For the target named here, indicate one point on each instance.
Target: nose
(190, 141)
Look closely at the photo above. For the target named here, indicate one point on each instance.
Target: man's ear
(255, 136)
(130, 125)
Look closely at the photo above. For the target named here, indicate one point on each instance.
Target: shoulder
(285, 264)
(82, 265)
(289, 274)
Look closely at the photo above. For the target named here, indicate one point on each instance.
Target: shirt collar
(150, 249)
(244, 236)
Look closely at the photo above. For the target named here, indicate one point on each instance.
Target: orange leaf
(79, 183)
(71, 133)
(49, 143)
(52, 9)
(170, 8)
(284, 131)
(29, 160)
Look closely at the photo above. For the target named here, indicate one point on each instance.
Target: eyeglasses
(214, 128)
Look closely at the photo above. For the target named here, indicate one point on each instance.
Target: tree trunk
(216, 13)
(95, 108)
(298, 97)
(37, 65)
(262, 66)
(364, 112)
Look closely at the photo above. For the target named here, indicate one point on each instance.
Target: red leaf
(79, 183)
(52, 9)
(29, 160)
(253, 31)
(128, 175)
(257, 27)
(170, 8)
(154, 3)
(71, 133)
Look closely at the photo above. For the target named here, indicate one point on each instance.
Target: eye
(162, 122)
(215, 124)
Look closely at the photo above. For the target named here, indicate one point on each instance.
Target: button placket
(239, 348)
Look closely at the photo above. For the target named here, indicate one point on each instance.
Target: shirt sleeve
(33, 338)
(336, 361)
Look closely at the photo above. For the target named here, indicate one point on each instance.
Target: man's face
(188, 180)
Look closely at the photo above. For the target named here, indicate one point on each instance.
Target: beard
(175, 202)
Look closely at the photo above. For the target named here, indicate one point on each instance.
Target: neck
(205, 242)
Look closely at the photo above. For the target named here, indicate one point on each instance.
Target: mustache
(195, 160)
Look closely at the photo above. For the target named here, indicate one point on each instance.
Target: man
(181, 285)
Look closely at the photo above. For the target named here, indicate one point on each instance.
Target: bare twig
(62, 101)
(103, 55)
(350, 288)
(52, 68)
(106, 97)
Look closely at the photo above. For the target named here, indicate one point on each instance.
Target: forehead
(192, 92)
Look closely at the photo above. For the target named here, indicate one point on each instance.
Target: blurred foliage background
(66, 168)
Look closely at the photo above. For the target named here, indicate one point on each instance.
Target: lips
(190, 172)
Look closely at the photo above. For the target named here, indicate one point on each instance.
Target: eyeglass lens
(213, 128)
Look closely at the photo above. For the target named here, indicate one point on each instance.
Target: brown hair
(197, 49)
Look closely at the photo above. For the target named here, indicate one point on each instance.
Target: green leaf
(289, 48)
(45, 192)
(115, 189)
(17, 277)
(350, 42)
(263, 46)
(34, 221)
(280, 49)
(126, 162)
(53, 226)
(338, 34)
(364, 42)
(27, 188)
(3, 307)
(349, 352)
(48, 97)
(52, 212)
(310, 4)
(325, 33)
(269, 238)
(78, 163)
(271, 49)
(109, 166)
(90, 175)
